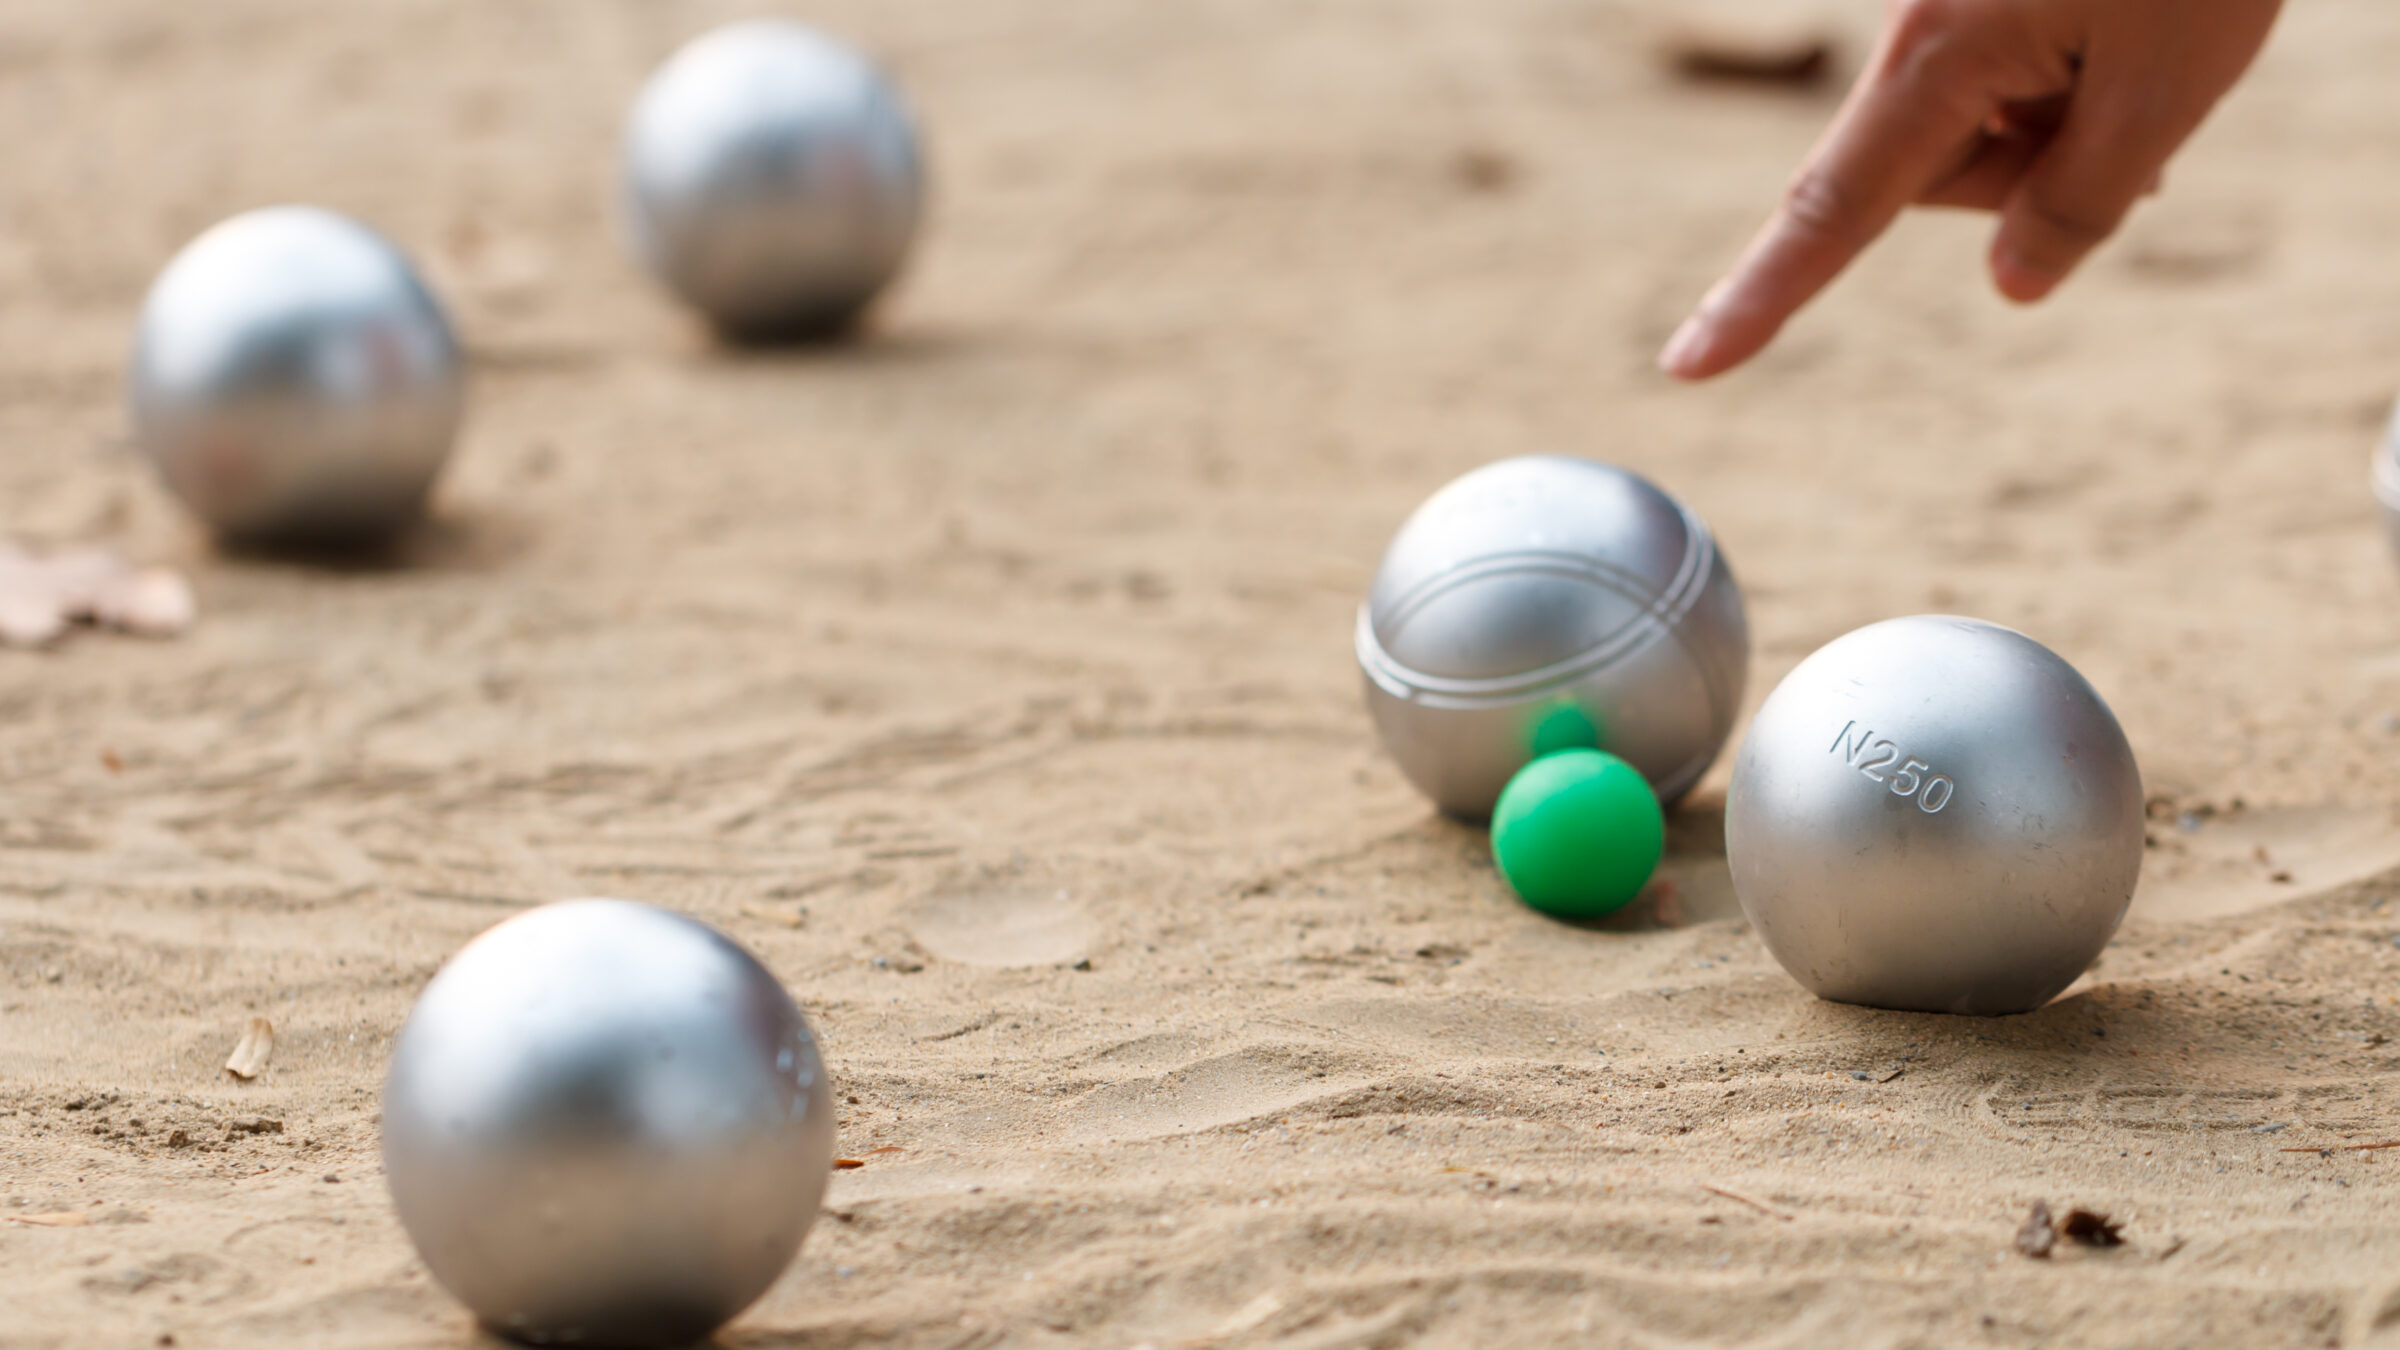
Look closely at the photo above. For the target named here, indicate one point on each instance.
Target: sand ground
(1015, 638)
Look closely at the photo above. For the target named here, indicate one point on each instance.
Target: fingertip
(1712, 342)
(2020, 279)
(1686, 354)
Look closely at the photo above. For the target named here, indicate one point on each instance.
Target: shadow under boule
(454, 539)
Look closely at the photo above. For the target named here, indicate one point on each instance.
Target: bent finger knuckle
(1919, 29)
(1914, 21)
(1933, 47)
(1817, 203)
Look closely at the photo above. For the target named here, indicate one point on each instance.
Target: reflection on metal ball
(1935, 814)
(294, 380)
(606, 1125)
(1542, 603)
(771, 179)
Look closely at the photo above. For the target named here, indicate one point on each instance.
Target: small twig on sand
(1752, 1201)
(2341, 1148)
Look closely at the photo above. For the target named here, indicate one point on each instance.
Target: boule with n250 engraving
(294, 380)
(771, 179)
(606, 1125)
(1936, 814)
(1548, 603)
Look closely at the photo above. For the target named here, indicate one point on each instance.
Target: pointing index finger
(1907, 121)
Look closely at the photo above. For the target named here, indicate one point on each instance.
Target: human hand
(2057, 114)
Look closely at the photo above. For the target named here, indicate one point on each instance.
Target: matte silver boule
(1545, 602)
(293, 379)
(771, 179)
(1935, 814)
(606, 1125)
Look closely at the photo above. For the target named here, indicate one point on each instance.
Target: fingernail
(1683, 352)
(2019, 279)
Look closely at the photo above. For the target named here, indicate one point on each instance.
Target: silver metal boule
(606, 1125)
(1935, 814)
(2384, 479)
(1542, 603)
(771, 179)
(293, 379)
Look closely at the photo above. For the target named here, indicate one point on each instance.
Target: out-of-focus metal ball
(2384, 478)
(771, 179)
(1935, 814)
(1542, 603)
(606, 1125)
(293, 379)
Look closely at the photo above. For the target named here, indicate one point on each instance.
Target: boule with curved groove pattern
(1543, 603)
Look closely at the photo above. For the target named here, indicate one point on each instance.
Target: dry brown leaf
(249, 1057)
(845, 1164)
(1720, 49)
(2090, 1229)
(27, 618)
(65, 1218)
(41, 595)
(153, 602)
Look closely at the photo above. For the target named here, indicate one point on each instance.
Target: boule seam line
(1670, 784)
(1660, 614)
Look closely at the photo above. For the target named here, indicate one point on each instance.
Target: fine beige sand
(990, 678)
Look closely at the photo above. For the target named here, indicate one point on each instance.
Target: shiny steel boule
(1935, 814)
(606, 1125)
(293, 379)
(1543, 603)
(771, 179)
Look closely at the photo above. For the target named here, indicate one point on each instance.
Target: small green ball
(1578, 833)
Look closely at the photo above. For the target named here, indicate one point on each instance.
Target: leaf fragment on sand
(2036, 1237)
(65, 1218)
(250, 1053)
(1716, 48)
(152, 602)
(27, 619)
(41, 594)
(2090, 1229)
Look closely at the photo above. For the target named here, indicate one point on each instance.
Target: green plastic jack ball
(1578, 833)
